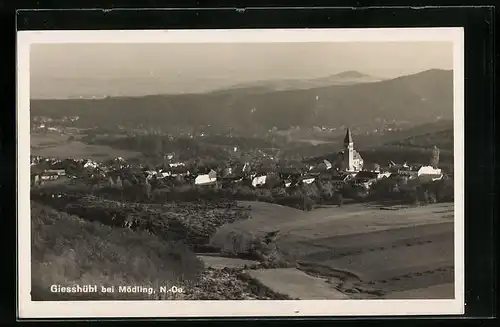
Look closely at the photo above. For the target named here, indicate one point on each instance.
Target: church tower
(349, 151)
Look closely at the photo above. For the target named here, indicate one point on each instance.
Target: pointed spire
(348, 137)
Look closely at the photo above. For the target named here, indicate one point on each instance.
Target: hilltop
(418, 98)
(349, 77)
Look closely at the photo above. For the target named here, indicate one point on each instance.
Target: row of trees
(413, 192)
(303, 197)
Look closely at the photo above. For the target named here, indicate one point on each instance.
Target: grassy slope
(67, 250)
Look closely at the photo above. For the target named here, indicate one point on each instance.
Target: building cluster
(347, 168)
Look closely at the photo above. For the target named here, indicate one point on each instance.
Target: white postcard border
(154, 309)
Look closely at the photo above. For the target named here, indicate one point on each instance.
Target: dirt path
(218, 262)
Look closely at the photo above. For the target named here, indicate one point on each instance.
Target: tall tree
(147, 188)
(119, 183)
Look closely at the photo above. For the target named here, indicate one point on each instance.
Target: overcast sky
(72, 70)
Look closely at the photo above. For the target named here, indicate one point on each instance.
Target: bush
(326, 191)
(238, 243)
(312, 191)
(339, 199)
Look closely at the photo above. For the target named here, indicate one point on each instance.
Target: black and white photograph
(290, 172)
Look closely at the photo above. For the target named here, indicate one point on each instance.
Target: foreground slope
(67, 250)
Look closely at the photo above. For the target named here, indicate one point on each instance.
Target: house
(421, 172)
(264, 170)
(150, 174)
(383, 174)
(179, 171)
(408, 171)
(394, 168)
(259, 180)
(428, 170)
(206, 179)
(49, 176)
(307, 179)
(164, 174)
(59, 172)
(233, 178)
(290, 173)
(177, 164)
(89, 164)
(429, 174)
(365, 178)
(338, 181)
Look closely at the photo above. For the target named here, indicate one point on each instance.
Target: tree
(308, 203)
(311, 190)
(339, 199)
(326, 190)
(119, 183)
(279, 192)
(126, 183)
(147, 189)
(434, 161)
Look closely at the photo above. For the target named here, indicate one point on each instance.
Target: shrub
(326, 191)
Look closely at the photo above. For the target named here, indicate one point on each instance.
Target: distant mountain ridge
(349, 77)
(419, 98)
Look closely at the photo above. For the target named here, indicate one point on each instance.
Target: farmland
(362, 250)
(55, 145)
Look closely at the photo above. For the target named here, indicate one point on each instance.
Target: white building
(349, 158)
(207, 179)
(259, 180)
(429, 173)
(308, 180)
(424, 173)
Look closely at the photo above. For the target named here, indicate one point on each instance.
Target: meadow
(55, 145)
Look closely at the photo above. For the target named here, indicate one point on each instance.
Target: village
(347, 170)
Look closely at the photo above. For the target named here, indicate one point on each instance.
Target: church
(349, 160)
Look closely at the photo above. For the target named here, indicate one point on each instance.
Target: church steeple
(349, 151)
(348, 137)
